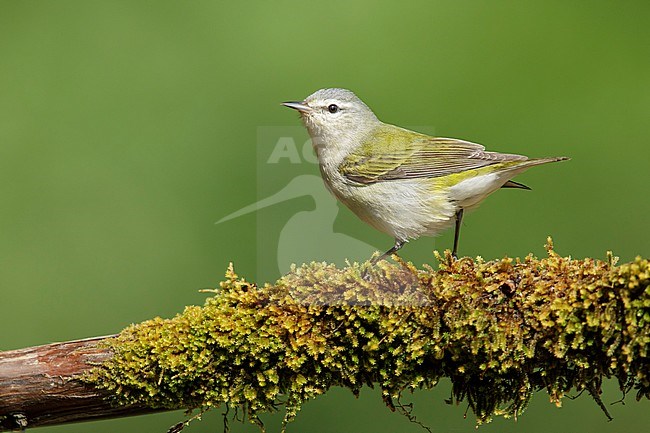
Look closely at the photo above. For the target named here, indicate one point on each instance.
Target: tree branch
(38, 386)
(500, 330)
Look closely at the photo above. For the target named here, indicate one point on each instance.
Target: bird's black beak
(300, 106)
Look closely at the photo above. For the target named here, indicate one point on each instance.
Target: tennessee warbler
(401, 182)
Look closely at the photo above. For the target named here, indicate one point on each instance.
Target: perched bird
(403, 183)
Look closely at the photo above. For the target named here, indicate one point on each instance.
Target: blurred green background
(127, 128)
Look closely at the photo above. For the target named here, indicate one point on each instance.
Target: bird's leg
(459, 219)
(398, 244)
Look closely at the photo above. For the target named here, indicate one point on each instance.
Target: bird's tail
(521, 166)
(551, 159)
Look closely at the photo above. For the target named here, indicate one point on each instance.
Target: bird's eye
(333, 108)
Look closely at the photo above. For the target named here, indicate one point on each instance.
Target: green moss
(500, 330)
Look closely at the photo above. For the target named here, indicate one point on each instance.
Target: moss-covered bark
(500, 330)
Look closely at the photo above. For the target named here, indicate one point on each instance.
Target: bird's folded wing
(409, 155)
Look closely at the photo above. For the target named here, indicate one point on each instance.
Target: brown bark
(38, 386)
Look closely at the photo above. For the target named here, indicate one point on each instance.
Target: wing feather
(405, 154)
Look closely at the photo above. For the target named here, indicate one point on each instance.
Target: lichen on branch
(499, 330)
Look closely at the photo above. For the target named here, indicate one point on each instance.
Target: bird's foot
(366, 275)
(368, 272)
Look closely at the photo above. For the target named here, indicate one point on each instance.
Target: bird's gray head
(335, 114)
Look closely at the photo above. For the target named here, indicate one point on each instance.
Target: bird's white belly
(410, 208)
(404, 209)
(470, 192)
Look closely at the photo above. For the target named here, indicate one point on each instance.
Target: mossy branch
(500, 330)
